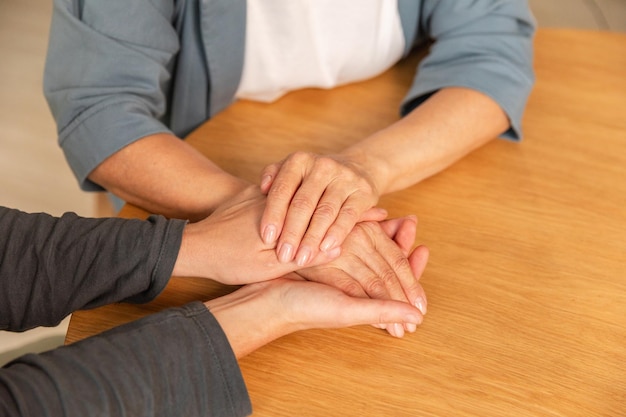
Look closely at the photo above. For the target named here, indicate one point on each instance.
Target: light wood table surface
(527, 278)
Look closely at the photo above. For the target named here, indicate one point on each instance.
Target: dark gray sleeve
(174, 363)
(50, 267)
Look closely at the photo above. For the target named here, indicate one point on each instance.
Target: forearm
(446, 127)
(176, 362)
(165, 175)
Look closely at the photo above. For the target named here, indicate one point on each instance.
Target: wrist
(251, 317)
(187, 263)
(369, 164)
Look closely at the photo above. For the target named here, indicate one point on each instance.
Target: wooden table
(526, 283)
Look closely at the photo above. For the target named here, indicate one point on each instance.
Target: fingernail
(269, 234)
(285, 253)
(411, 327)
(304, 254)
(420, 303)
(327, 244)
(265, 180)
(398, 330)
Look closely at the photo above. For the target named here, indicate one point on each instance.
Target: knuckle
(388, 276)
(302, 203)
(279, 190)
(350, 213)
(376, 288)
(325, 164)
(271, 168)
(399, 263)
(326, 211)
(365, 233)
(299, 157)
(358, 240)
(289, 235)
(368, 228)
(351, 288)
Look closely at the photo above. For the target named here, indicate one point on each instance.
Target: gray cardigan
(118, 71)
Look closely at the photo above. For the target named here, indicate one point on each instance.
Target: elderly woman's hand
(377, 262)
(314, 201)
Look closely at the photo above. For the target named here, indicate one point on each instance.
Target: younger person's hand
(257, 314)
(227, 246)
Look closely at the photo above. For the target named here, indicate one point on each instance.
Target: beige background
(33, 173)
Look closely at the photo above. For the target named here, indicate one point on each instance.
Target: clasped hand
(374, 262)
(314, 201)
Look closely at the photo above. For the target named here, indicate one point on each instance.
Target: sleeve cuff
(510, 94)
(102, 131)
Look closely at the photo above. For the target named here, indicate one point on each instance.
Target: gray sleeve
(50, 267)
(174, 363)
(107, 76)
(485, 45)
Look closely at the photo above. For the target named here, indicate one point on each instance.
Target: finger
(319, 260)
(405, 236)
(314, 305)
(317, 205)
(267, 176)
(337, 278)
(309, 214)
(283, 186)
(323, 217)
(394, 268)
(381, 281)
(418, 260)
(402, 230)
(318, 223)
(381, 312)
(391, 226)
(349, 214)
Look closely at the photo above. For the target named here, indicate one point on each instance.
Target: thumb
(418, 260)
(402, 230)
(373, 311)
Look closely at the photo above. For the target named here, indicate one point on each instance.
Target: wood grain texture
(527, 300)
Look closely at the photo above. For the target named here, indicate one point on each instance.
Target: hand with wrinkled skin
(227, 247)
(377, 262)
(314, 201)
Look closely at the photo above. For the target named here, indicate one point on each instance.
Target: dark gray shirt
(174, 363)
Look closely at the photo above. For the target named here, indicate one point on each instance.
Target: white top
(292, 44)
